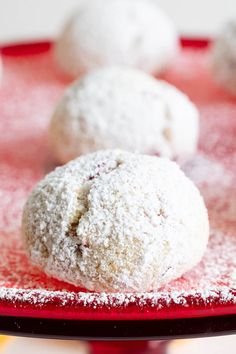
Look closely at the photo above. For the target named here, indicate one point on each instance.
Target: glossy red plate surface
(31, 86)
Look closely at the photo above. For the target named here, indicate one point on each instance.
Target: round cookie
(126, 109)
(134, 33)
(116, 221)
(224, 57)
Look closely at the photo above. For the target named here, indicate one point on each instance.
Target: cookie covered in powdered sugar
(134, 33)
(223, 57)
(126, 109)
(116, 221)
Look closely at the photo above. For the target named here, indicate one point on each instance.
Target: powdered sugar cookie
(116, 221)
(224, 57)
(133, 33)
(127, 109)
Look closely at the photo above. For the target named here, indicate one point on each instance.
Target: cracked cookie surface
(116, 221)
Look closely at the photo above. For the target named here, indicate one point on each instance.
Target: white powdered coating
(33, 81)
(158, 300)
(133, 33)
(125, 109)
(114, 220)
(224, 57)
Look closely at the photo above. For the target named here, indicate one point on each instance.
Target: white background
(27, 19)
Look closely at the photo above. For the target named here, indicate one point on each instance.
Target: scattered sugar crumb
(24, 159)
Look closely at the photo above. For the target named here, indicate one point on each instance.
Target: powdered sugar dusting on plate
(30, 88)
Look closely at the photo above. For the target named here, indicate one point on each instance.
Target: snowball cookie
(116, 221)
(133, 33)
(127, 109)
(224, 57)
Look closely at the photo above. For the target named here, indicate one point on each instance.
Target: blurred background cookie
(123, 108)
(224, 57)
(133, 33)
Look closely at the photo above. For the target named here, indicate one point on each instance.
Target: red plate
(31, 86)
